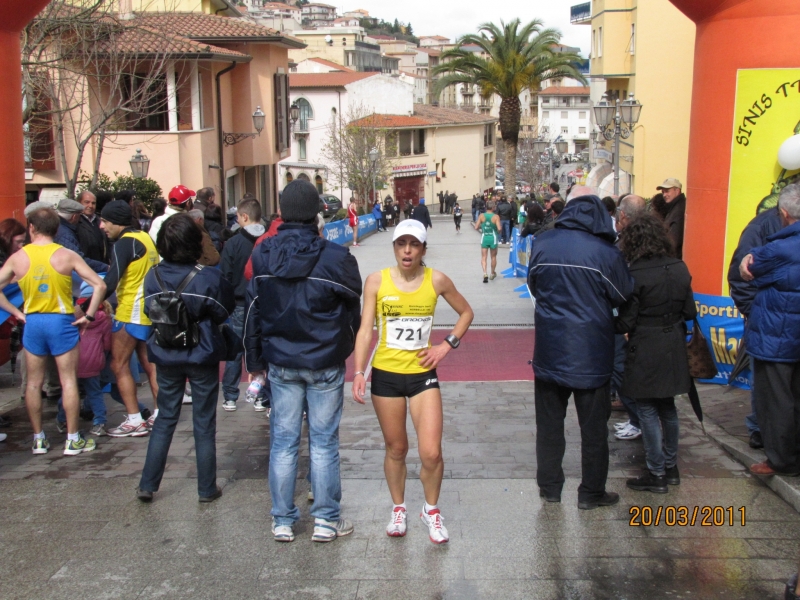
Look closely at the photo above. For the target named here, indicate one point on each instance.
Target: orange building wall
(731, 35)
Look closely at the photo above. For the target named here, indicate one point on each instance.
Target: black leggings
(457, 219)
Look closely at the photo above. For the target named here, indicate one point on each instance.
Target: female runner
(401, 301)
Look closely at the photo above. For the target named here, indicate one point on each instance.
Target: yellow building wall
(615, 18)
(663, 84)
(318, 48)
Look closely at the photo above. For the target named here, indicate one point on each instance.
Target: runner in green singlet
(489, 226)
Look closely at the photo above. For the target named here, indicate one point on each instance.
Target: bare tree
(88, 72)
(347, 151)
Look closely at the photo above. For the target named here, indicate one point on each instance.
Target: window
(581, 129)
(305, 113)
(564, 114)
(565, 129)
(488, 135)
(419, 141)
(545, 100)
(545, 114)
(38, 131)
(594, 43)
(391, 143)
(152, 115)
(599, 42)
(301, 148)
(206, 97)
(633, 38)
(582, 114)
(405, 142)
(281, 103)
(488, 165)
(318, 183)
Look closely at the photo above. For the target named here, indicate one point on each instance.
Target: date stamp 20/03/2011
(686, 516)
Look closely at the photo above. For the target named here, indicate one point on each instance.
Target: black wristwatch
(453, 341)
(89, 318)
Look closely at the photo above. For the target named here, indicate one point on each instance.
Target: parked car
(329, 205)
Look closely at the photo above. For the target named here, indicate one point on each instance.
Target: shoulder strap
(188, 279)
(158, 278)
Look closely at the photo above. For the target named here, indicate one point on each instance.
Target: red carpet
(484, 355)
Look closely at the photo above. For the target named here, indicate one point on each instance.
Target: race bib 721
(408, 333)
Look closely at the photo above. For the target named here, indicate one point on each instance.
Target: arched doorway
(304, 177)
(318, 182)
(289, 177)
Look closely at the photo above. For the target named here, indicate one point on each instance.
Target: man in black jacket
(505, 211)
(421, 214)
(93, 242)
(744, 292)
(303, 309)
(69, 212)
(675, 212)
(577, 277)
(237, 251)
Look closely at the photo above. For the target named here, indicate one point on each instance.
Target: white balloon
(789, 153)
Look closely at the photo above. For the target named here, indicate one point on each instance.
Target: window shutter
(281, 117)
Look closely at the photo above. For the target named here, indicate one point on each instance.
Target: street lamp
(617, 121)
(229, 139)
(562, 147)
(373, 158)
(140, 164)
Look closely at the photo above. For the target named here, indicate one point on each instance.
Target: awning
(411, 173)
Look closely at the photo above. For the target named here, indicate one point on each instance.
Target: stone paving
(71, 525)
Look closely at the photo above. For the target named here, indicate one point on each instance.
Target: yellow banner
(767, 112)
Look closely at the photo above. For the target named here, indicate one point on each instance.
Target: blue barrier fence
(519, 256)
(340, 232)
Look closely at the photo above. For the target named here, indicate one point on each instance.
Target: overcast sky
(453, 18)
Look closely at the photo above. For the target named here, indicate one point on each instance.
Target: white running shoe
(621, 426)
(127, 429)
(327, 531)
(397, 526)
(629, 433)
(282, 533)
(229, 405)
(436, 529)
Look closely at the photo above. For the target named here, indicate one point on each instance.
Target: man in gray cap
(69, 212)
(304, 307)
(672, 190)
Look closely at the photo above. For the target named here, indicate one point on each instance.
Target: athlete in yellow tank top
(130, 289)
(401, 301)
(44, 270)
(44, 289)
(404, 321)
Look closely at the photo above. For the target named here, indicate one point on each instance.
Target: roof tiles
(326, 80)
(426, 115)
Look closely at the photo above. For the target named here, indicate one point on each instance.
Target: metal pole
(617, 131)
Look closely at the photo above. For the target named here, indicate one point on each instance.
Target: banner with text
(341, 233)
(723, 326)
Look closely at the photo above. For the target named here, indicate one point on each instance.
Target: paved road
(71, 525)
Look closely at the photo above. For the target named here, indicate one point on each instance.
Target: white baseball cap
(411, 227)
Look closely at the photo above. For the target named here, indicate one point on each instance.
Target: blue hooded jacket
(303, 304)
(773, 329)
(577, 277)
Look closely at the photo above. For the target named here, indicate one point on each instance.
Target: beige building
(217, 72)
(644, 48)
(346, 46)
(438, 149)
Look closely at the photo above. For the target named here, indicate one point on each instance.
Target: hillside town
(409, 300)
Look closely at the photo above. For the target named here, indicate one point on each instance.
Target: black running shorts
(401, 385)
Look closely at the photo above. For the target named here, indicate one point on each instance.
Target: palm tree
(513, 58)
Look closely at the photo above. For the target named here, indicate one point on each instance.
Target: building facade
(347, 46)
(318, 15)
(564, 115)
(645, 49)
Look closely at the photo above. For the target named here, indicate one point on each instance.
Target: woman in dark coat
(656, 367)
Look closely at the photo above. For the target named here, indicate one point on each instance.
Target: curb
(787, 488)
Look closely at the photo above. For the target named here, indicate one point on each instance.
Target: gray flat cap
(70, 207)
(34, 206)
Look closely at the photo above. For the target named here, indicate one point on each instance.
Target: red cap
(180, 194)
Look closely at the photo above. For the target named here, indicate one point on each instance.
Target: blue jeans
(94, 401)
(660, 450)
(751, 420)
(505, 236)
(476, 214)
(620, 350)
(205, 389)
(323, 392)
(232, 374)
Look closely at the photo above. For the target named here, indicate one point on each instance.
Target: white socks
(135, 419)
(429, 507)
(39, 436)
(396, 506)
(73, 437)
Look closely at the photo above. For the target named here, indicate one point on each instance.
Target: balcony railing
(580, 13)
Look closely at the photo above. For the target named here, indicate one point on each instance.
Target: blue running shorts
(49, 333)
(140, 332)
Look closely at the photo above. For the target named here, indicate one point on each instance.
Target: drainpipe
(220, 137)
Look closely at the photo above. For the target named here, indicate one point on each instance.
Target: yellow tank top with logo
(404, 321)
(130, 289)
(44, 289)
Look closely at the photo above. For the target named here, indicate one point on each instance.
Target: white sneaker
(327, 531)
(436, 529)
(260, 405)
(282, 533)
(187, 398)
(3, 437)
(229, 405)
(397, 526)
(621, 426)
(629, 433)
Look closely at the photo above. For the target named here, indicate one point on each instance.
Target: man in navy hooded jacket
(577, 277)
(303, 309)
(773, 338)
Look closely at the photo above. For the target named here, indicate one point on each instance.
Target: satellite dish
(328, 39)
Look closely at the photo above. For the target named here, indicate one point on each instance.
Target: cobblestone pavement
(71, 525)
